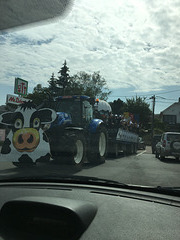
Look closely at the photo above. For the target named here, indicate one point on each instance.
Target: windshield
(89, 93)
(72, 107)
(173, 137)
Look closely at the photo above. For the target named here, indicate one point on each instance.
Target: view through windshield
(86, 94)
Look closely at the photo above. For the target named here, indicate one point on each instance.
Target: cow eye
(36, 122)
(18, 123)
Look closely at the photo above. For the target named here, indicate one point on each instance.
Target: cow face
(25, 123)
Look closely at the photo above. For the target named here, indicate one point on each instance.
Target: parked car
(170, 145)
(155, 140)
(141, 144)
(157, 149)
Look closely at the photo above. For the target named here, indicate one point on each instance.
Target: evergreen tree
(64, 79)
(52, 88)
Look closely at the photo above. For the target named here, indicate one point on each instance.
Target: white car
(170, 145)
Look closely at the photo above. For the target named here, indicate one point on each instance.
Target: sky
(135, 44)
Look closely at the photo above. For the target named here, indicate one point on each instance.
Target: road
(140, 169)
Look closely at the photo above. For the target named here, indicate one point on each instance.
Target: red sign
(15, 100)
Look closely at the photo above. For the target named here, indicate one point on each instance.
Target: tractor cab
(73, 110)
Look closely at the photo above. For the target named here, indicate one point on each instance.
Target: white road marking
(140, 153)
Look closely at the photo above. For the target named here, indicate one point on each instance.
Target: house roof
(171, 106)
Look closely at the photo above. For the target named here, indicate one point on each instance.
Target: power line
(177, 90)
(164, 102)
(146, 95)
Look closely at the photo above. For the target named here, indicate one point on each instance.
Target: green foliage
(53, 90)
(118, 106)
(39, 94)
(82, 83)
(159, 127)
(139, 106)
(93, 85)
(136, 106)
(158, 131)
(63, 80)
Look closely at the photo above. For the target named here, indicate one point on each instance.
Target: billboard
(15, 100)
(21, 87)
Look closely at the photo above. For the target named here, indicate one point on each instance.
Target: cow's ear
(6, 118)
(47, 115)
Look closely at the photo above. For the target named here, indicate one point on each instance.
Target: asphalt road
(140, 169)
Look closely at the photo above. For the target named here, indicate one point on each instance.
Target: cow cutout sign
(26, 141)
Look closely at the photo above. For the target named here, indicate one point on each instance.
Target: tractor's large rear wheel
(98, 148)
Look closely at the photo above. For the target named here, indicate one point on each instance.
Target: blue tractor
(77, 134)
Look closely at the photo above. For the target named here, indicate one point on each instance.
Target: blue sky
(135, 44)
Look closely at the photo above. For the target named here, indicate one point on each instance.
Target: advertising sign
(21, 87)
(15, 100)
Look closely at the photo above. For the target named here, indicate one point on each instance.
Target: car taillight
(164, 143)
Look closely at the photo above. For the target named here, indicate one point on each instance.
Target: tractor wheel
(78, 153)
(98, 151)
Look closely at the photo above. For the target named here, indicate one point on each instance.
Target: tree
(82, 83)
(52, 88)
(63, 79)
(118, 106)
(93, 85)
(39, 94)
(159, 127)
(139, 107)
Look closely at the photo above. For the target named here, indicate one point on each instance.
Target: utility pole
(152, 125)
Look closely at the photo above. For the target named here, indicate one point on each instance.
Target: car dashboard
(80, 211)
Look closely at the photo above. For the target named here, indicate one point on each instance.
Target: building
(171, 117)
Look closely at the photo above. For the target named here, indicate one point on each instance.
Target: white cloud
(133, 43)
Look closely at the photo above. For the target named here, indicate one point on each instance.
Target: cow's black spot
(7, 118)
(6, 146)
(44, 158)
(45, 115)
(45, 138)
(25, 159)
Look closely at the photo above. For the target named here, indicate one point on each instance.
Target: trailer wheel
(135, 148)
(79, 151)
(98, 146)
(156, 154)
(113, 150)
(162, 158)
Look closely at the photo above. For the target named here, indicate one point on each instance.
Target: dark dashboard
(71, 211)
